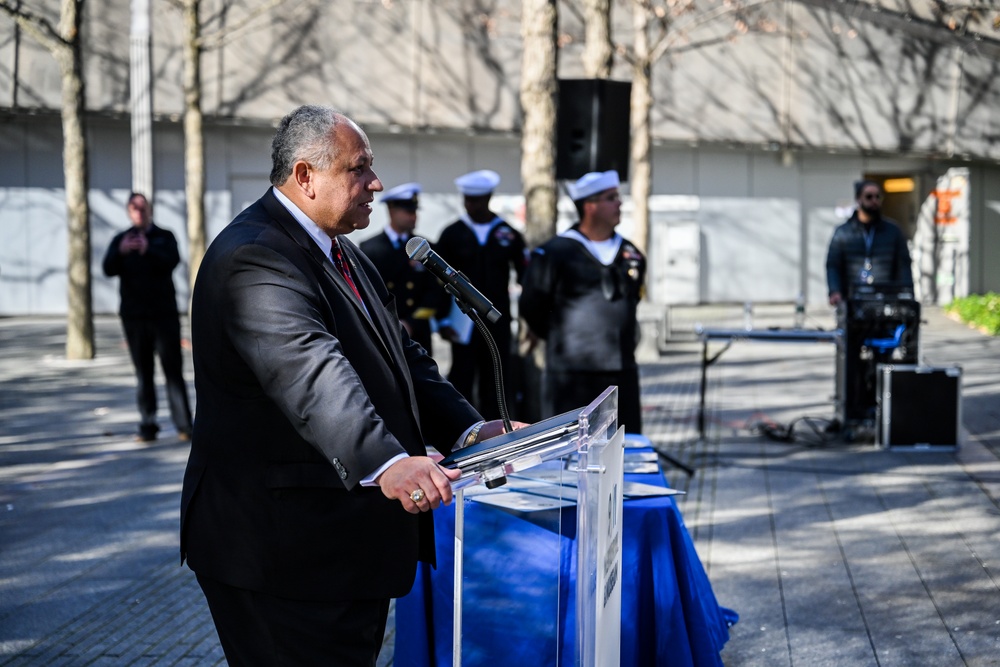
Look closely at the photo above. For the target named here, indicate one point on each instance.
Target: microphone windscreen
(417, 248)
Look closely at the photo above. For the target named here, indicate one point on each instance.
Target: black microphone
(456, 283)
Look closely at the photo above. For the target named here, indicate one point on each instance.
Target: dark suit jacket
(300, 396)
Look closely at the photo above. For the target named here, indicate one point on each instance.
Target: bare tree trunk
(195, 44)
(80, 319)
(644, 55)
(641, 103)
(598, 56)
(538, 101)
(64, 43)
(194, 141)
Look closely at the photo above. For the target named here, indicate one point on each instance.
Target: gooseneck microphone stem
(497, 368)
(471, 302)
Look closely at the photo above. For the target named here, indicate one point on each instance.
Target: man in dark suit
(306, 499)
(486, 249)
(418, 294)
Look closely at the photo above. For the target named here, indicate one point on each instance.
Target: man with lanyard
(486, 249)
(867, 249)
(417, 293)
(581, 292)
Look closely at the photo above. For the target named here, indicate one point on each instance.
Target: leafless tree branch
(39, 27)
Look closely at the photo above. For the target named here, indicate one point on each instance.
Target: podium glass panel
(525, 516)
(599, 531)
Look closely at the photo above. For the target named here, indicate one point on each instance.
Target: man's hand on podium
(418, 483)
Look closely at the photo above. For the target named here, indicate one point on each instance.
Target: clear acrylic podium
(566, 483)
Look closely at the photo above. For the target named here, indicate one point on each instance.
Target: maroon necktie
(338, 261)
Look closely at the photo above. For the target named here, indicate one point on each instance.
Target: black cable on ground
(817, 432)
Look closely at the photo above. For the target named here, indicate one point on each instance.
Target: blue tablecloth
(669, 613)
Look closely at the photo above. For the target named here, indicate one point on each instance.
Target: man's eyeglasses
(871, 196)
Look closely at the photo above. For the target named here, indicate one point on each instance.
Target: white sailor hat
(478, 183)
(590, 184)
(404, 192)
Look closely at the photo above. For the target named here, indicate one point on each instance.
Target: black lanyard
(869, 239)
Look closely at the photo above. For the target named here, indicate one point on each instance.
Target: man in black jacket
(867, 249)
(581, 292)
(144, 257)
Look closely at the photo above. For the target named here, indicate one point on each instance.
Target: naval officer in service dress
(418, 294)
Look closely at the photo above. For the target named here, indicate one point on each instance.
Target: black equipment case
(919, 407)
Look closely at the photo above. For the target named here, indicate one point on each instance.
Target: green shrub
(980, 310)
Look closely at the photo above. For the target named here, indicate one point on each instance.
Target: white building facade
(757, 141)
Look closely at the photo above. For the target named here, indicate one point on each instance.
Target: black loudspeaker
(592, 127)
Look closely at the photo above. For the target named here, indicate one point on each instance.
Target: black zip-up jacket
(889, 255)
